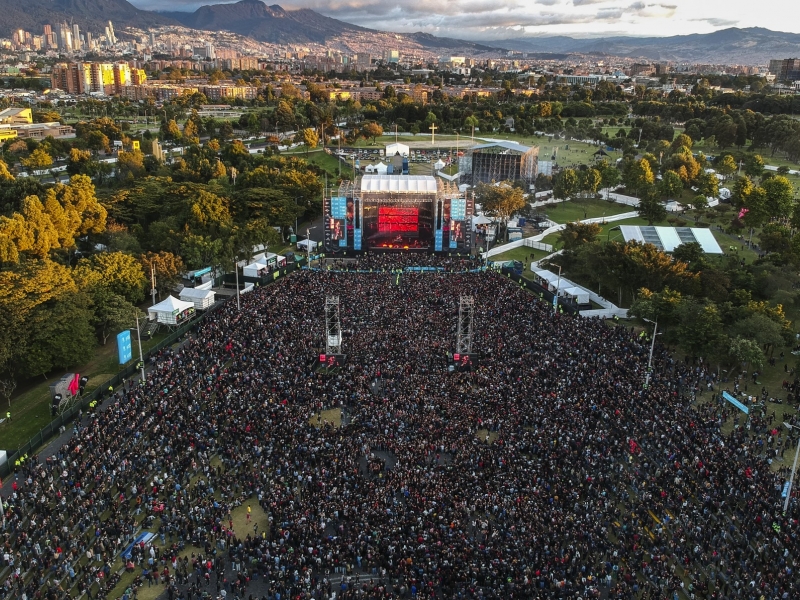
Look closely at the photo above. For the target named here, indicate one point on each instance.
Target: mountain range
(751, 45)
(273, 24)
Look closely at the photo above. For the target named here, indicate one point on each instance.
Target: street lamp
(652, 345)
(794, 468)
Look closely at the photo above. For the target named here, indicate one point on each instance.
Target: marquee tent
(392, 149)
(171, 311)
(580, 295)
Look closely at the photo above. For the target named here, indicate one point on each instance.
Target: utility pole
(236, 272)
(139, 339)
(153, 283)
(558, 285)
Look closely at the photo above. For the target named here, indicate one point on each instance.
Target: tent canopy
(440, 164)
(546, 275)
(481, 220)
(170, 305)
(195, 293)
(392, 149)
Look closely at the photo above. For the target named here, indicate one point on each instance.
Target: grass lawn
(30, 410)
(482, 433)
(332, 416)
(577, 209)
(522, 255)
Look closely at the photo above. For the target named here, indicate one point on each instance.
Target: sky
(503, 19)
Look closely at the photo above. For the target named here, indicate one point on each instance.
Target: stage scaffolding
(466, 316)
(333, 326)
(500, 162)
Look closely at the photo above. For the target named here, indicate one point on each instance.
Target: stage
(398, 212)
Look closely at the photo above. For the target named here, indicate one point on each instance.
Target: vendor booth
(171, 311)
(578, 295)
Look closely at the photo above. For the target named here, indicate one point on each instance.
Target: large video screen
(398, 219)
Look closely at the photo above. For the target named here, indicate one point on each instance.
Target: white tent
(252, 270)
(392, 149)
(202, 299)
(581, 295)
(481, 220)
(381, 168)
(171, 311)
(439, 164)
(307, 245)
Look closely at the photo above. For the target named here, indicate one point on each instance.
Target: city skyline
(486, 20)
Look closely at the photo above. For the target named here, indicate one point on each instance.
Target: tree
(170, 130)
(39, 160)
(726, 166)
(58, 334)
(111, 312)
(779, 197)
(98, 141)
(472, 121)
(670, 185)
(609, 176)
(699, 327)
(699, 203)
(743, 351)
(650, 206)
(372, 130)
(5, 176)
(311, 139)
(638, 175)
(577, 234)
(590, 181)
(167, 267)
(775, 238)
(688, 252)
(122, 273)
(7, 387)
(501, 201)
(754, 165)
(191, 132)
(130, 165)
(708, 185)
(566, 184)
(759, 328)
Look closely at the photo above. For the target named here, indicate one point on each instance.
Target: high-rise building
(122, 76)
(76, 37)
(210, 51)
(786, 69)
(73, 78)
(88, 41)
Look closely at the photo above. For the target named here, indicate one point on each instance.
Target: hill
(752, 45)
(273, 24)
(91, 15)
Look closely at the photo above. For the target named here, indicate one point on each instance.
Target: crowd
(547, 472)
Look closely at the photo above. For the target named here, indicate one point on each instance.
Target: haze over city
(487, 20)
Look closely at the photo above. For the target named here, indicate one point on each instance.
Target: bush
(680, 223)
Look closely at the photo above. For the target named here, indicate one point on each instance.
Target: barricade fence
(65, 419)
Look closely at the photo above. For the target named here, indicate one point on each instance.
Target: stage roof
(414, 184)
(669, 238)
(504, 144)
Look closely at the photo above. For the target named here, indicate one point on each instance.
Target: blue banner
(453, 243)
(458, 209)
(124, 347)
(736, 403)
(437, 237)
(785, 490)
(356, 239)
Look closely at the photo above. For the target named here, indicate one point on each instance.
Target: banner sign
(736, 403)
(458, 209)
(124, 347)
(339, 207)
(356, 239)
(438, 238)
(785, 490)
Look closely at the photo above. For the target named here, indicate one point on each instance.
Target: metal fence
(53, 428)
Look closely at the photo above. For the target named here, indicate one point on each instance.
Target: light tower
(333, 326)
(466, 315)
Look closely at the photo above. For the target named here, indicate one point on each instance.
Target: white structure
(307, 245)
(580, 295)
(667, 239)
(392, 149)
(171, 311)
(256, 269)
(202, 299)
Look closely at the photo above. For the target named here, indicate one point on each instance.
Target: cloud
(717, 22)
(585, 2)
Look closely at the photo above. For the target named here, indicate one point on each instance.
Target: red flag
(75, 384)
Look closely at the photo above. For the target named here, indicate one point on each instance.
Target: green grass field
(579, 209)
